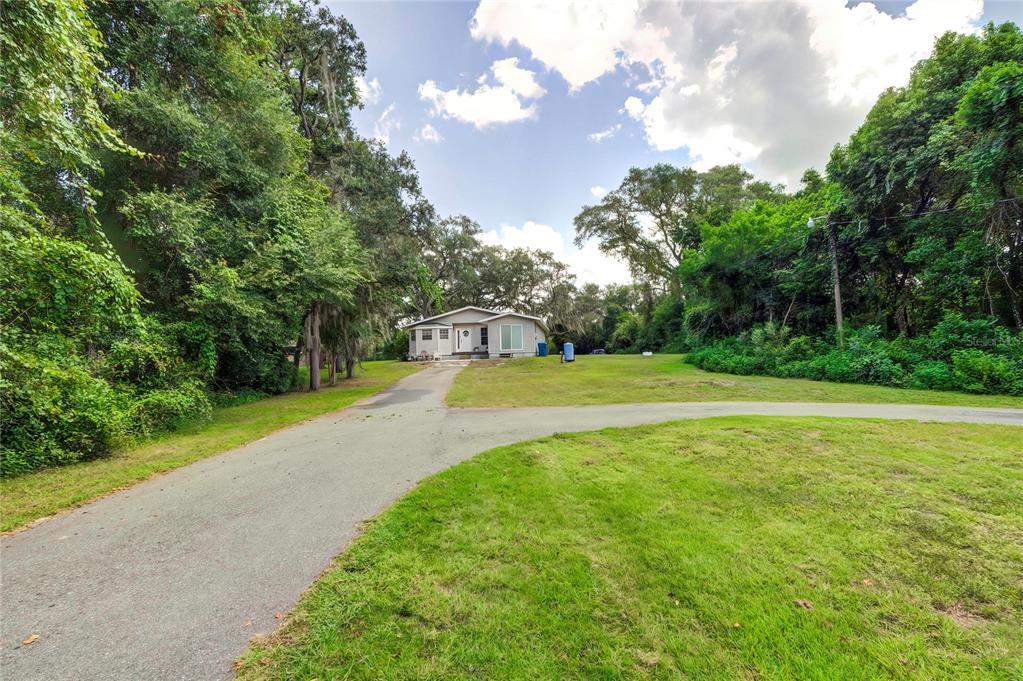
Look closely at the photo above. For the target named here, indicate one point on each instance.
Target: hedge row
(974, 356)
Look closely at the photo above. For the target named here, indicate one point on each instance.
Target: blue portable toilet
(569, 350)
(541, 348)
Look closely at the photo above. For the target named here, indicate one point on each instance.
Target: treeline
(918, 212)
(185, 210)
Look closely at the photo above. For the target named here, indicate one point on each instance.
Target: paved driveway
(170, 578)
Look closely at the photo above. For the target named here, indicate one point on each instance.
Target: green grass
(42, 493)
(606, 379)
(730, 548)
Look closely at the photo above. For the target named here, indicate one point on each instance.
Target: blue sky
(514, 94)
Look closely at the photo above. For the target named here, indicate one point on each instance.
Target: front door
(463, 339)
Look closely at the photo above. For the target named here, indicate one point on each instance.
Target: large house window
(443, 334)
(511, 336)
(427, 334)
(412, 335)
(484, 331)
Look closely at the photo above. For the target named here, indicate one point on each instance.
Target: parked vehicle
(598, 351)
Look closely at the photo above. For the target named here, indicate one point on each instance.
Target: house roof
(517, 314)
(445, 314)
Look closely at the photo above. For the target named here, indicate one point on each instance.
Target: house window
(443, 334)
(427, 334)
(412, 335)
(511, 336)
(483, 336)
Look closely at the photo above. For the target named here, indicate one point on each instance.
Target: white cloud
(427, 133)
(369, 90)
(503, 102)
(386, 125)
(588, 264)
(867, 50)
(717, 68)
(580, 40)
(709, 145)
(771, 85)
(634, 106)
(598, 191)
(602, 135)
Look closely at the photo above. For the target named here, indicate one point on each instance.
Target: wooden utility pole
(833, 245)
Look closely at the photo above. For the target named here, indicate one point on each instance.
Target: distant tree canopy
(924, 203)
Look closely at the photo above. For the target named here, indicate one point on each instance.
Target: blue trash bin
(541, 349)
(569, 350)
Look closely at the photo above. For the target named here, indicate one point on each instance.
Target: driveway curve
(169, 579)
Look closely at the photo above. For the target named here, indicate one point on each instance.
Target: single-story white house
(475, 332)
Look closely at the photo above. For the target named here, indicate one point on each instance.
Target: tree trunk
(314, 348)
(785, 321)
(332, 372)
(349, 367)
(833, 246)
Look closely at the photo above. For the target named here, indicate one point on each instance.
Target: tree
(654, 217)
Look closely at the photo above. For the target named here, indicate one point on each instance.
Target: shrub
(934, 375)
(166, 409)
(987, 359)
(53, 411)
(977, 371)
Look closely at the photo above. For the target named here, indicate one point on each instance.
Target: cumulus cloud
(502, 101)
(588, 264)
(771, 85)
(598, 191)
(863, 47)
(369, 90)
(386, 125)
(602, 135)
(427, 133)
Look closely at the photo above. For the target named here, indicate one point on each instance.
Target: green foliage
(166, 409)
(924, 202)
(229, 237)
(53, 410)
(975, 356)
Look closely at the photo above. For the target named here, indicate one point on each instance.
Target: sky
(518, 114)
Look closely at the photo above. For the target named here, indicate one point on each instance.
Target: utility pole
(833, 247)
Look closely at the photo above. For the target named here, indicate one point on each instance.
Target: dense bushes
(61, 403)
(976, 356)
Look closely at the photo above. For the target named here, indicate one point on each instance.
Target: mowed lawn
(35, 495)
(606, 379)
(729, 548)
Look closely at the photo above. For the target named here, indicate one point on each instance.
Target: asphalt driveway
(170, 578)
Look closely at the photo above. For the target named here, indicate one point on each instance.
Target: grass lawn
(605, 379)
(729, 548)
(35, 495)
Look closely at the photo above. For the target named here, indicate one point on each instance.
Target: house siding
(456, 322)
(532, 334)
(435, 347)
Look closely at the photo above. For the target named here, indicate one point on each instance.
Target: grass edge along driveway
(36, 495)
(622, 379)
(734, 547)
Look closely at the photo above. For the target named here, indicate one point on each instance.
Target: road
(169, 579)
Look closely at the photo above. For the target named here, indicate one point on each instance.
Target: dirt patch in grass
(963, 617)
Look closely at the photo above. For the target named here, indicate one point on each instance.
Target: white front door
(463, 339)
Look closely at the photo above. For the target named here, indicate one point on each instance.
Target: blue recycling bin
(541, 348)
(569, 350)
